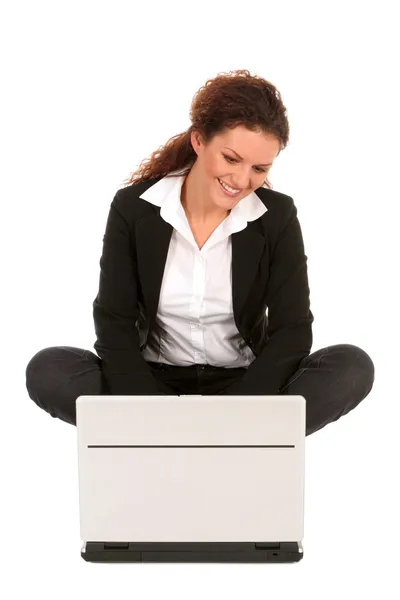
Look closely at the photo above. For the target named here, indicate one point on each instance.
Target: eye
(229, 159)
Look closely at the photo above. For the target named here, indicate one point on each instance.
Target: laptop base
(210, 552)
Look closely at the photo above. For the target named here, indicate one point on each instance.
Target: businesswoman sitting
(197, 250)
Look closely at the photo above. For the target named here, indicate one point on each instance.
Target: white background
(89, 89)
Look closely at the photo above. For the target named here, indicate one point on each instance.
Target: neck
(197, 208)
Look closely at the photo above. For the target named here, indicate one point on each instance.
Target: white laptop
(191, 478)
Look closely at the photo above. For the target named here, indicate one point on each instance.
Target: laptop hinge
(116, 545)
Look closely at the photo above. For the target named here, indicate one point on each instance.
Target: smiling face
(238, 157)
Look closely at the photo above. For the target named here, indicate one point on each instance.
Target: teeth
(232, 190)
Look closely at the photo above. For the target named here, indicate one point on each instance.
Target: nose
(241, 180)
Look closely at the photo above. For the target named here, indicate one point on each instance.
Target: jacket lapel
(247, 250)
(153, 236)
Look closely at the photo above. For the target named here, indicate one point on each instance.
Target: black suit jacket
(269, 271)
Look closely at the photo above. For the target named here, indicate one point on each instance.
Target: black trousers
(333, 381)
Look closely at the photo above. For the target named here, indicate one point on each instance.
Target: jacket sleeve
(289, 316)
(116, 311)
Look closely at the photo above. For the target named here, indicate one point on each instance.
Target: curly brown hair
(230, 99)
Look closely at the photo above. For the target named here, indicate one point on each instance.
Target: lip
(236, 194)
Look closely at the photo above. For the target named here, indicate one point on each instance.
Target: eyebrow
(238, 155)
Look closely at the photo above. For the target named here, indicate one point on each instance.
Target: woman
(197, 248)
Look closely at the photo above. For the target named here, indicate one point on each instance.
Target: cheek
(212, 166)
